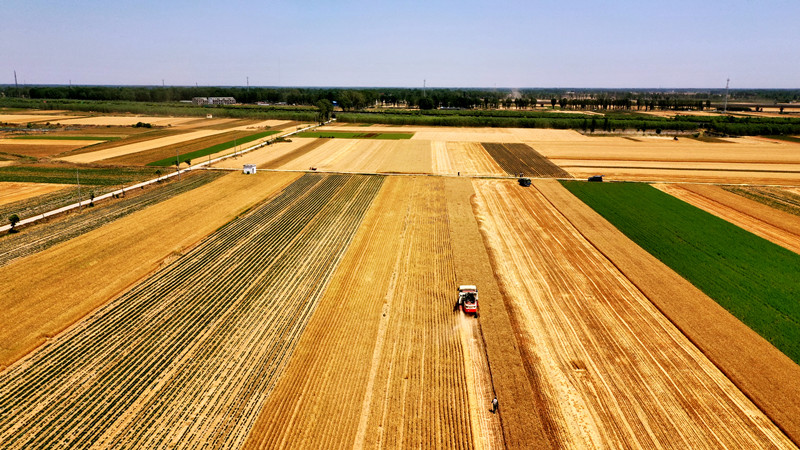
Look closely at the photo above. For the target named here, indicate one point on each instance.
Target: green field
(211, 150)
(353, 135)
(69, 138)
(754, 279)
(67, 175)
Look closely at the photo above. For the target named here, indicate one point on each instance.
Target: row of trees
(356, 99)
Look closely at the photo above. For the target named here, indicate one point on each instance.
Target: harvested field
(367, 155)
(32, 118)
(65, 174)
(686, 175)
(265, 154)
(41, 148)
(188, 357)
(761, 371)
(594, 361)
(229, 147)
(389, 313)
(126, 120)
(302, 147)
(181, 148)
(784, 199)
(12, 192)
(467, 158)
(44, 293)
(466, 134)
(521, 158)
(44, 236)
(128, 149)
(775, 226)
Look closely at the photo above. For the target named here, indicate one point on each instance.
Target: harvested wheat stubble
(521, 158)
(762, 372)
(13, 147)
(44, 293)
(382, 362)
(775, 226)
(614, 371)
(307, 147)
(33, 118)
(467, 158)
(187, 357)
(12, 191)
(36, 239)
(121, 150)
(784, 199)
(523, 425)
(367, 155)
(126, 120)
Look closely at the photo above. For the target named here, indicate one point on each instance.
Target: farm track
(613, 370)
(522, 158)
(383, 361)
(47, 235)
(775, 226)
(188, 356)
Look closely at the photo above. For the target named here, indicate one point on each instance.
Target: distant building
(249, 168)
(200, 101)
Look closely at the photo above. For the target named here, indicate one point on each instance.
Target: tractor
(468, 299)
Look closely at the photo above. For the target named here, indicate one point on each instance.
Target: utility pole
(725, 108)
(178, 164)
(423, 87)
(248, 83)
(16, 86)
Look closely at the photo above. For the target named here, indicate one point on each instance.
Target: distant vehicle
(598, 178)
(525, 182)
(468, 299)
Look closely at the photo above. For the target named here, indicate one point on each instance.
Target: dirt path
(775, 226)
(614, 371)
(763, 373)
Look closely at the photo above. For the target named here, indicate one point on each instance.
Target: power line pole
(725, 108)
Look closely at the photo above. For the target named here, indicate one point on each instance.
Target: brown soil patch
(38, 151)
(44, 293)
(762, 372)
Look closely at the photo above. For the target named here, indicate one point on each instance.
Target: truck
(468, 299)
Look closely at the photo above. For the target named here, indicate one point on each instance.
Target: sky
(514, 44)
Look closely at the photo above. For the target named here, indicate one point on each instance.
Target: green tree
(593, 125)
(426, 103)
(553, 102)
(324, 109)
(13, 219)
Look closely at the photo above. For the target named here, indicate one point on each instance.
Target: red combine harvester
(468, 299)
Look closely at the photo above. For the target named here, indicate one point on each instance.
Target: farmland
(40, 238)
(315, 308)
(711, 253)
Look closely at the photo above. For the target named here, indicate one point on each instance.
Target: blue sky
(678, 44)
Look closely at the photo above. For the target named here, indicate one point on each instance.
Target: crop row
(751, 277)
(188, 356)
(777, 198)
(45, 236)
(522, 158)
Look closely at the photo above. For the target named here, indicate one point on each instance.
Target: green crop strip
(353, 135)
(67, 175)
(211, 150)
(754, 279)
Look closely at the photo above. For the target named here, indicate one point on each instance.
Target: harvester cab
(468, 299)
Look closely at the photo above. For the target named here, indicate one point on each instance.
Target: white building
(249, 168)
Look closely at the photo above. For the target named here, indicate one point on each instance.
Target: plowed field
(613, 371)
(784, 199)
(188, 357)
(776, 226)
(521, 158)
